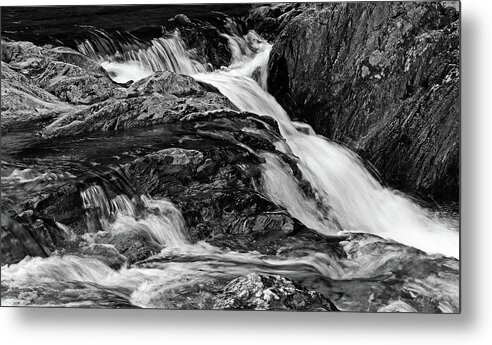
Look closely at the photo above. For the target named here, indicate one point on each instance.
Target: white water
(358, 201)
(159, 219)
(164, 54)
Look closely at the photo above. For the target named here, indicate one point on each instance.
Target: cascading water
(158, 219)
(347, 197)
(162, 54)
(358, 200)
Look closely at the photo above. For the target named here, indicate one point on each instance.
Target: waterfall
(134, 60)
(159, 219)
(358, 200)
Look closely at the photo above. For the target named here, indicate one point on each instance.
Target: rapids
(347, 199)
(358, 200)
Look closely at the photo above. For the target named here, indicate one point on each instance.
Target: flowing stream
(358, 200)
(352, 196)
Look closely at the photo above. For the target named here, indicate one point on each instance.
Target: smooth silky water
(354, 199)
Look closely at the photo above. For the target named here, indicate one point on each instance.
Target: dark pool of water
(59, 24)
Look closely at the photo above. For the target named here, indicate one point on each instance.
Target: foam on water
(358, 200)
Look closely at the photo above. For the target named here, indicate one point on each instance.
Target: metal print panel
(295, 156)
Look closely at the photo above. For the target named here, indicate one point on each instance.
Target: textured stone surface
(387, 83)
(24, 103)
(161, 98)
(270, 292)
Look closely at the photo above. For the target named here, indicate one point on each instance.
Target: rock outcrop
(383, 78)
(270, 292)
(24, 103)
(163, 97)
(42, 83)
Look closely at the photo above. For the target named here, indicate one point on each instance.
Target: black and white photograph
(232, 156)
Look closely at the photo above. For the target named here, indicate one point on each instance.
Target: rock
(397, 307)
(24, 103)
(27, 237)
(133, 245)
(204, 40)
(214, 184)
(17, 242)
(153, 101)
(31, 59)
(269, 20)
(171, 83)
(24, 56)
(106, 253)
(387, 83)
(41, 83)
(270, 292)
(76, 85)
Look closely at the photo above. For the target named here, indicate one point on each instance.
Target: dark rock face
(270, 292)
(214, 186)
(204, 39)
(26, 237)
(387, 83)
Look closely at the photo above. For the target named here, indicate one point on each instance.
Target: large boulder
(24, 103)
(77, 85)
(42, 83)
(386, 79)
(163, 97)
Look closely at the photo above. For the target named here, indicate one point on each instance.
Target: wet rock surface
(269, 292)
(387, 83)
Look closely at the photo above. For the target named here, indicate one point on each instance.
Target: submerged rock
(387, 83)
(270, 292)
(106, 253)
(132, 245)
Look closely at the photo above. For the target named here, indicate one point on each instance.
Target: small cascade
(166, 54)
(99, 44)
(159, 219)
(127, 58)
